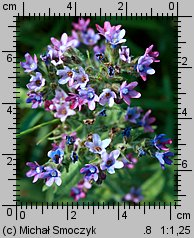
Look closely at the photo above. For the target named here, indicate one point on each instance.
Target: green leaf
(31, 192)
(153, 186)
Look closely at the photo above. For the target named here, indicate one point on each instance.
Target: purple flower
(115, 37)
(161, 141)
(63, 111)
(143, 66)
(124, 53)
(54, 55)
(152, 54)
(74, 36)
(129, 161)
(90, 171)
(135, 195)
(163, 158)
(59, 99)
(89, 97)
(56, 155)
(107, 96)
(69, 139)
(30, 64)
(80, 79)
(110, 163)
(127, 92)
(67, 75)
(77, 193)
(36, 82)
(35, 99)
(35, 170)
(97, 146)
(52, 176)
(81, 25)
(133, 114)
(75, 101)
(90, 37)
(113, 34)
(64, 43)
(146, 122)
(99, 49)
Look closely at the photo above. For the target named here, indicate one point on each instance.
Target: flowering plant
(85, 90)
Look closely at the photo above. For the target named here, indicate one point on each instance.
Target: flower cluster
(81, 87)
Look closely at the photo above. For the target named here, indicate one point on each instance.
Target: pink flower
(75, 101)
(107, 28)
(127, 92)
(63, 111)
(81, 25)
(64, 43)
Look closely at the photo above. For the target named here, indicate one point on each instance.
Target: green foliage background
(157, 94)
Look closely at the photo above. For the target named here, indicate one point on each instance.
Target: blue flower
(102, 113)
(74, 156)
(56, 155)
(35, 99)
(163, 158)
(89, 37)
(161, 141)
(70, 140)
(133, 114)
(99, 56)
(141, 152)
(134, 195)
(111, 71)
(90, 171)
(126, 132)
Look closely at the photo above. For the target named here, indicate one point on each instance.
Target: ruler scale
(96, 219)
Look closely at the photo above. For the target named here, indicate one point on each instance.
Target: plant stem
(37, 127)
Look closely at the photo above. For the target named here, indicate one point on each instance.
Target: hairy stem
(37, 127)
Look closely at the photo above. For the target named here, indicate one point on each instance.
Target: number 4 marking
(184, 112)
(9, 109)
(69, 5)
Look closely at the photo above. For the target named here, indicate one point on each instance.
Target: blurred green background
(157, 94)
